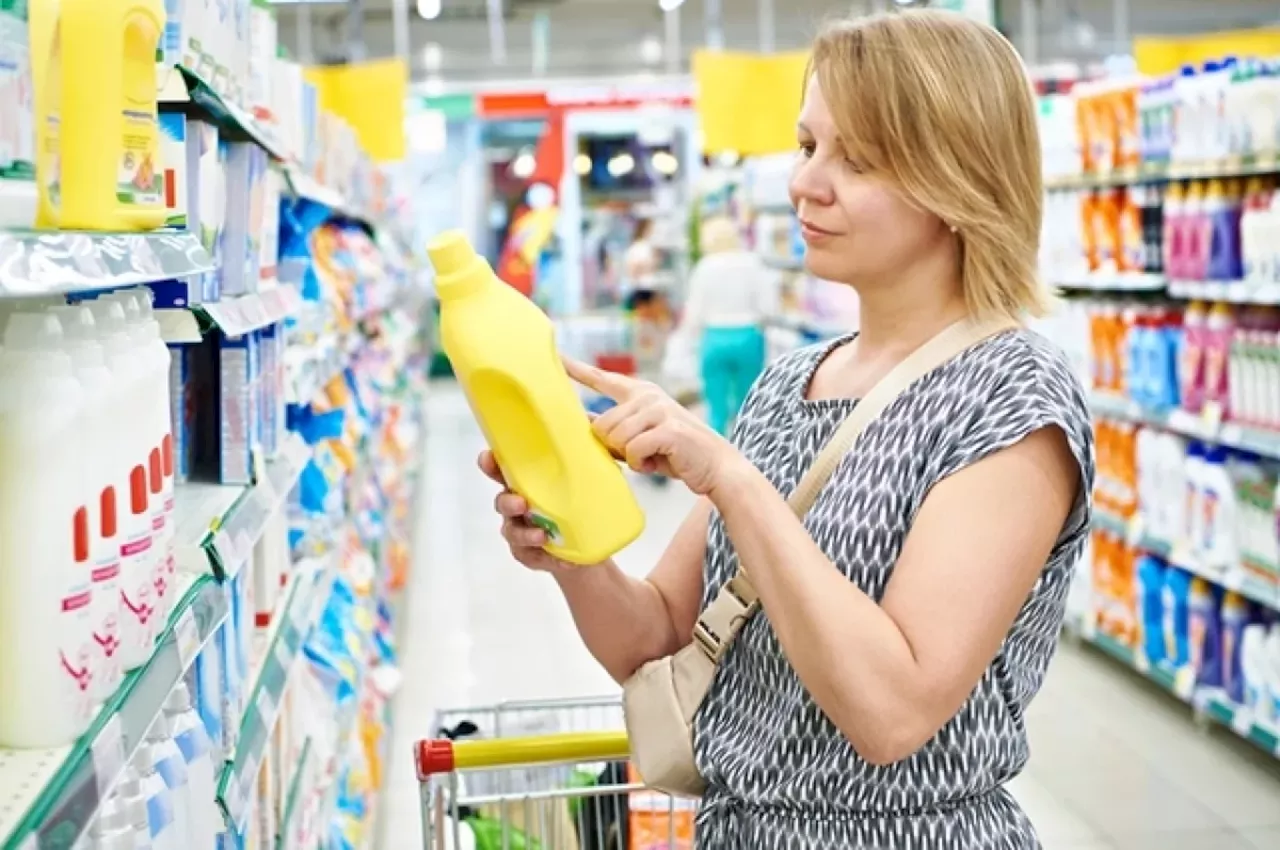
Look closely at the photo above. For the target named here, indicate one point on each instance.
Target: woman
(730, 294)
(880, 699)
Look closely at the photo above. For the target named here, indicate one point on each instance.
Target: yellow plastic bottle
(96, 95)
(503, 351)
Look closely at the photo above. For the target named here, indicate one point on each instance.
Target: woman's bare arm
(626, 622)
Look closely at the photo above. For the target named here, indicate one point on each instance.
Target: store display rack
(61, 262)
(1235, 292)
(1154, 173)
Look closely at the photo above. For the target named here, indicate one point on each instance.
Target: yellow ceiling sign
(1165, 55)
(748, 102)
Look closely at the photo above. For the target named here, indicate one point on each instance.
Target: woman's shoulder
(1023, 364)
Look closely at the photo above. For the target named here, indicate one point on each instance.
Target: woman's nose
(809, 183)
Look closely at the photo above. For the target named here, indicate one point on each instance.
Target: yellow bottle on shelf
(99, 137)
(503, 351)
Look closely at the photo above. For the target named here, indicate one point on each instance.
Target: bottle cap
(144, 760)
(459, 269)
(27, 331)
(159, 730)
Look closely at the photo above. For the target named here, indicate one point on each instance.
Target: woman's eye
(806, 149)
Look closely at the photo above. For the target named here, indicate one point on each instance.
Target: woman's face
(857, 227)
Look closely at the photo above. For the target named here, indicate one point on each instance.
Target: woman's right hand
(523, 538)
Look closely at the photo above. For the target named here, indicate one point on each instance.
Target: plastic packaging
(159, 799)
(1177, 590)
(45, 584)
(172, 767)
(1205, 632)
(1254, 669)
(1236, 616)
(1191, 355)
(102, 86)
(137, 551)
(190, 735)
(502, 348)
(1151, 574)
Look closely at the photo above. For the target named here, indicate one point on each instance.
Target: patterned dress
(779, 773)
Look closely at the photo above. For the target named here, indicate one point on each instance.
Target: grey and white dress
(779, 773)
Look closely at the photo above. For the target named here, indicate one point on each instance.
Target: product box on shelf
(246, 207)
(238, 379)
(17, 119)
(269, 232)
(199, 175)
(182, 408)
(263, 43)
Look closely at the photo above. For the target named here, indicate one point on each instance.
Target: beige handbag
(661, 698)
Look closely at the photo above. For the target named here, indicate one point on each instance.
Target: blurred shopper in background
(729, 296)
(880, 699)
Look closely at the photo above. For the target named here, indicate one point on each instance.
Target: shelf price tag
(108, 755)
(1242, 721)
(186, 634)
(1141, 662)
(1136, 530)
(1211, 417)
(266, 704)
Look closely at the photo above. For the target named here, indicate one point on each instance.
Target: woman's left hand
(652, 432)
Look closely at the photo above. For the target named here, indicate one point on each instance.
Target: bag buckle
(741, 603)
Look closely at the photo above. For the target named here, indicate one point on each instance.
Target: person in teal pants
(730, 295)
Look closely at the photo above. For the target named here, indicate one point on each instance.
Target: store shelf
(1237, 167)
(230, 542)
(234, 316)
(1205, 426)
(49, 796)
(47, 263)
(302, 604)
(1232, 292)
(1209, 703)
(1242, 580)
(1112, 282)
(289, 834)
(182, 86)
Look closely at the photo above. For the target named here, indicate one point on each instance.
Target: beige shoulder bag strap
(661, 698)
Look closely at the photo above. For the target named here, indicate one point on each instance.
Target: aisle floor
(1115, 765)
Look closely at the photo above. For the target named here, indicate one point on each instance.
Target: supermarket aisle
(1115, 765)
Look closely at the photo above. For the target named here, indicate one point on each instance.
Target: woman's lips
(812, 233)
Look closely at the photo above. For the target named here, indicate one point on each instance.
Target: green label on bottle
(547, 525)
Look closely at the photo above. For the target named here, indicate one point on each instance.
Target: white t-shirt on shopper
(730, 290)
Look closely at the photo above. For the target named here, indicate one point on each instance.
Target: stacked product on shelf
(190, 596)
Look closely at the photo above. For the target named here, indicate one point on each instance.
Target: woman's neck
(895, 317)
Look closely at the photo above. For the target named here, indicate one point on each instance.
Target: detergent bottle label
(548, 525)
(139, 181)
(17, 107)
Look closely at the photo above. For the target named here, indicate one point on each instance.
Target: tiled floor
(1115, 765)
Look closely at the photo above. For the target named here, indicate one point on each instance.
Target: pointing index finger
(612, 384)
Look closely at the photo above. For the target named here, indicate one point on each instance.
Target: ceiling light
(429, 9)
(621, 164)
(651, 50)
(665, 163)
(523, 165)
(582, 165)
(670, 5)
(432, 56)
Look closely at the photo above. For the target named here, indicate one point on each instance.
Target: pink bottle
(1197, 232)
(1217, 353)
(1191, 357)
(1174, 238)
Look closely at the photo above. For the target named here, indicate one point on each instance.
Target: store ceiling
(598, 38)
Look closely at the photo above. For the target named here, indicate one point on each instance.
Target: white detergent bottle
(153, 419)
(44, 599)
(111, 827)
(98, 424)
(132, 492)
(134, 798)
(1273, 671)
(160, 803)
(193, 740)
(1253, 668)
(172, 767)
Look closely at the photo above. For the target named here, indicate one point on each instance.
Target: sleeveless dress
(779, 773)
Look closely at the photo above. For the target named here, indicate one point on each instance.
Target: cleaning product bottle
(1236, 616)
(1254, 672)
(1193, 505)
(1177, 589)
(1151, 575)
(1218, 329)
(160, 801)
(1222, 208)
(1195, 232)
(110, 173)
(136, 799)
(153, 405)
(193, 740)
(97, 433)
(45, 587)
(1191, 357)
(172, 767)
(133, 496)
(1272, 655)
(111, 828)
(502, 348)
(1204, 637)
(1217, 500)
(1174, 227)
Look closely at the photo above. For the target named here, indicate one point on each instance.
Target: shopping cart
(542, 775)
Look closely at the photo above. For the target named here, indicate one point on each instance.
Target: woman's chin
(821, 264)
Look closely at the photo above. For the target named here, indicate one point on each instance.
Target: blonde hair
(719, 235)
(942, 106)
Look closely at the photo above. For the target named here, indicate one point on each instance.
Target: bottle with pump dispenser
(502, 348)
(97, 430)
(193, 740)
(161, 816)
(45, 590)
(137, 555)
